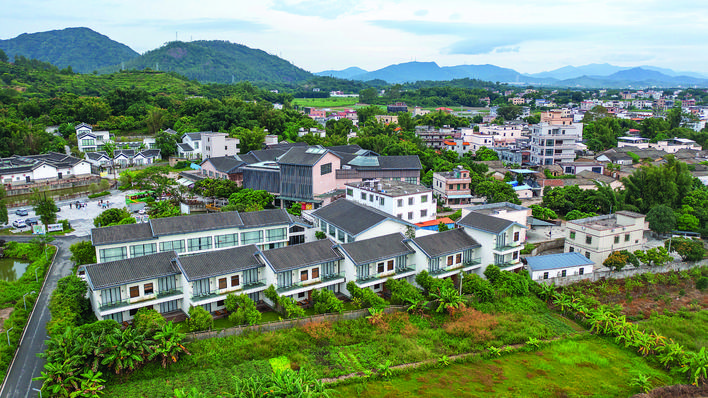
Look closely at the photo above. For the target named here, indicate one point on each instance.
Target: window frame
(134, 291)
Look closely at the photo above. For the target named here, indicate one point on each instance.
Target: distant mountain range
(224, 62)
(82, 48)
(589, 76)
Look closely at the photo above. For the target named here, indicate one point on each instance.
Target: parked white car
(19, 224)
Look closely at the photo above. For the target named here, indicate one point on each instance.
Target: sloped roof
(304, 155)
(345, 148)
(483, 222)
(411, 162)
(193, 136)
(351, 217)
(97, 155)
(442, 243)
(121, 272)
(225, 164)
(219, 262)
(150, 153)
(264, 218)
(556, 261)
(185, 147)
(302, 255)
(195, 223)
(264, 155)
(121, 233)
(382, 247)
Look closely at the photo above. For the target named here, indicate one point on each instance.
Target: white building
(18, 170)
(558, 265)
(555, 144)
(501, 239)
(218, 144)
(89, 140)
(411, 202)
(597, 237)
(508, 211)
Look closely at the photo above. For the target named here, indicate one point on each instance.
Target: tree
(596, 113)
(667, 184)
(688, 249)
(248, 200)
(83, 253)
(448, 300)
(485, 154)
(368, 95)
(148, 321)
(166, 143)
(156, 179)
(154, 120)
(199, 319)
(655, 256)
(661, 219)
(45, 208)
(249, 140)
(497, 191)
(243, 309)
(543, 213)
(113, 216)
(509, 112)
(168, 344)
(216, 187)
(442, 227)
(3, 206)
(3, 56)
(615, 261)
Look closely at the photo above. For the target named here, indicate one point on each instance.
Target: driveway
(18, 382)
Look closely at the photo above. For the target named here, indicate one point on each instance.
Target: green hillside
(218, 62)
(81, 48)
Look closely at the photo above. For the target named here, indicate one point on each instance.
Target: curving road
(26, 365)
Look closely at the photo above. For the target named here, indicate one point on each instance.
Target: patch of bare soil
(677, 391)
(4, 315)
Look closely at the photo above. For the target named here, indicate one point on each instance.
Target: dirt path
(4, 315)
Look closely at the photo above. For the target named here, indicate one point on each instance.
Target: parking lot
(81, 219)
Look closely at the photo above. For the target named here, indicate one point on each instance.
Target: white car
(19, 224)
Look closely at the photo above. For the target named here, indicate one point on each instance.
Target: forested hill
(81, 48)
(218, 61)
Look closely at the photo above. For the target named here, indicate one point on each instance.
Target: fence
(289, 323)
(629, 271)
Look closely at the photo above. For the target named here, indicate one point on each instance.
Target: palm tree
(59, 378)
(448, 299)
(168, 344)
(91, 385)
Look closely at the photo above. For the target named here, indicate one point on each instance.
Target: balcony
(459, 266)
(168, 293)
(221, 292)
(508, 246)
(310, 282)
(409, 268)
(115, 304)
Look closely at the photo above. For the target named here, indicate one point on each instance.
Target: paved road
(27, 365)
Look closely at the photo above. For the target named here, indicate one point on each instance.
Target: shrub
(472, 323)
(199, 319)
(702, 283)
(68, 305)
(326, 302)
(319, 331)
(367, 296)
(243, 309)
(83, 253)
(477, 286)
(286, 306)
(99, 194)
(403, 292)
(147, 320)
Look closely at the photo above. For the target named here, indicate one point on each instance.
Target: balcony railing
(465, 264)
(309, 282)
(508, 246)
(115, 304)
(408, 268)
(221, 292)
(135, 300)
(168, 293)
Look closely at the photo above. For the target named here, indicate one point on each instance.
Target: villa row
(171, 282)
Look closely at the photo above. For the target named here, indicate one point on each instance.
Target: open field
(332, 102)
(584, 366)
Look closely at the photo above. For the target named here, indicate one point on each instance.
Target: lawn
(340, 348)
(332, 102)
(689, 329)
(582, 366)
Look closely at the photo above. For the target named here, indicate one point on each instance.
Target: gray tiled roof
(115, 273)
(265, 217)
(302, 255)
(194, 136)
(351, 217)
(121, 233)
(303, 155)
(185, 147)
(382, 247)
(483, 222)
(411, 162)
(225, 164)
(194, 223)
(345, 148)
(442, 243)
(97, 155)
(150, 153)
(219, 262)
(267, 154)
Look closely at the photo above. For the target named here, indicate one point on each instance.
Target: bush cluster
(243, 309)
(366, 296)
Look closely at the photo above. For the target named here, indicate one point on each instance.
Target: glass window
(424, 199)
(147, 288)
(227, 240)
(545, 275)
(325, 168)
(617, 239)
(248, 238)
(411, 201)
(196, 244)
(572, 234)
(222, 283)
(588, 239)
(563, 273)
(275, 234)
(380, 267)
(516, 236)
(410, 215)
(176, 245)
(400, 202)
(389, 265)
(116, 253)
(142, 250)
(134, 291)
(626, 237)
(303, 275)
(458, 258)
(587, 255)
(424, 213)
(315, 273)
(363, 196)
(350, 192)
(449, 260)
(381, 201)
(581, 271)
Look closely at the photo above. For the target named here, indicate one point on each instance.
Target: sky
(526, 35)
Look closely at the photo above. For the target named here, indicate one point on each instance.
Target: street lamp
(40, 391)
(8, 336)
(36, 278)
(25, 300)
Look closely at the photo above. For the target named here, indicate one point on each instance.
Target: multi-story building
(453, 187)
(557, 117)
(306, 173)
(20, 170)
(268, 229)
(90, 140)
(447, 254)
(502, 239)
(508, 211)
(554, 144)
(397, 107)
(218, 144)
(597, 237)
(224, 167)
(411, 202)
(190, 147)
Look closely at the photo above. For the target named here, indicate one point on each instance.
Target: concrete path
(26, 365)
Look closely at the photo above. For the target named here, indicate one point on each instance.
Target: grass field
(587, 366)
(689, 329)
(333, 102)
